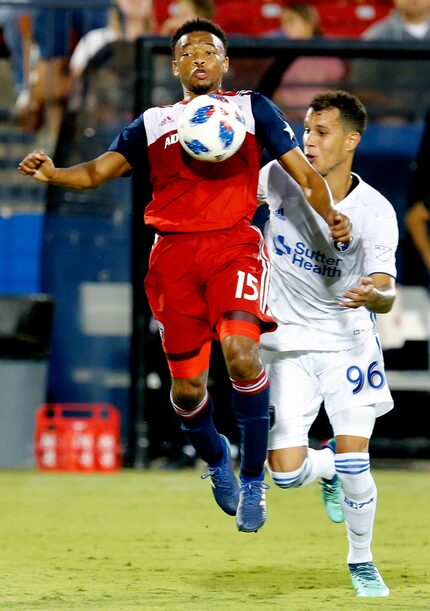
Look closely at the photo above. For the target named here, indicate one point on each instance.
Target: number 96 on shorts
(357, 377)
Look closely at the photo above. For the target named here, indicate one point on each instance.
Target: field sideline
(156, 540)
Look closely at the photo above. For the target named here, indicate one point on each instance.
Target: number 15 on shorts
(247, 286)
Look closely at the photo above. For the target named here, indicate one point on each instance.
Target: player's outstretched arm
(87, 175)
(317, 193)
(376, 293)
(417, 219)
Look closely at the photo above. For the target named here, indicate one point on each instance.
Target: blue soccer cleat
(366, 580)
(225, 486)
(251, 513)
(331, 491)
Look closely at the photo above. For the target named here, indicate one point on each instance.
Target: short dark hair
(198, 25)
(308, 13)
(352, 111)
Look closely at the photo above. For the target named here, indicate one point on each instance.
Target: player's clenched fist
(37, 165)
(362, 295)
(340, 227)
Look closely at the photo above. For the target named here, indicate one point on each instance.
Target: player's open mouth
(310, 158)
(200, 74)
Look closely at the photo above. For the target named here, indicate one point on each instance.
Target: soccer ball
(211, 128)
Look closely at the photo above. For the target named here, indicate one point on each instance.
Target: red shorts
(194, 278)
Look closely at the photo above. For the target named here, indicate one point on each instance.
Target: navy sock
(201, 431)
(251, 404)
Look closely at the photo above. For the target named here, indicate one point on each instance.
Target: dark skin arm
(416, 220)
(87, 175)
(92, 174)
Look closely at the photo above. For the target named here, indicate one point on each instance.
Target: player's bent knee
(240, 344)
(188, 392)
(243, 363)
(291, 479)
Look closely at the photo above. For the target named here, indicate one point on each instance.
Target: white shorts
(346, 380)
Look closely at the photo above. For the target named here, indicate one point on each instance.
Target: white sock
(358, 503)
(322, 462)
(291, 479)
(319, 463)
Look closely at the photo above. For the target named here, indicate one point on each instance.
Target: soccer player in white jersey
(325, 297)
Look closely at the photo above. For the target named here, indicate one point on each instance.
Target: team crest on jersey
(342, 246)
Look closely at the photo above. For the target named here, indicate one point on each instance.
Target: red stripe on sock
(251, 386)
(190, 414)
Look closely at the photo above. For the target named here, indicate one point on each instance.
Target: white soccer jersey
(310, 273)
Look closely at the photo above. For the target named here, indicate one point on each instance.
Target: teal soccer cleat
(366, 580)
(225, 486)
(252, 510)
(331, 491)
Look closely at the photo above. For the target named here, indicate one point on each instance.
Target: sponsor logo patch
(307, 258)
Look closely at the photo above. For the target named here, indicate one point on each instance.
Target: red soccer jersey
(191, 195)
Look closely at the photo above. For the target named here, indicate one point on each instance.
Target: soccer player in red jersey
(208, 269)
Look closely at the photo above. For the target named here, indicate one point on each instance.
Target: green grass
(156, 540)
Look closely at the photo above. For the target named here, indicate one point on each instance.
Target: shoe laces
(253, 491)
(330, 487)
(219, 476)
(365, 572)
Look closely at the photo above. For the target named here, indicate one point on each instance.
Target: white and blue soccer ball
(211, 127)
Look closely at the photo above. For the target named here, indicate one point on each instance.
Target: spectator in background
(305, 76)
(128, 20)
(393, 88)
(15, 24)
(417, 218)
(299, 21)
(185, 10)
(56, 30)
(410, 20)
(111, 49)
(418, 222)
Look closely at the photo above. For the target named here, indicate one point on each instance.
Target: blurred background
(74, 322)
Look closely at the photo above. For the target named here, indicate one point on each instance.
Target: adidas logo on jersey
(172, 139)
(166, 119)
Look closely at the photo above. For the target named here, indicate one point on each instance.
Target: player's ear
(352, 140)
(175, 69)
(225, 64)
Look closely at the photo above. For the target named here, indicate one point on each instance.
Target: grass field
(156, 540)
